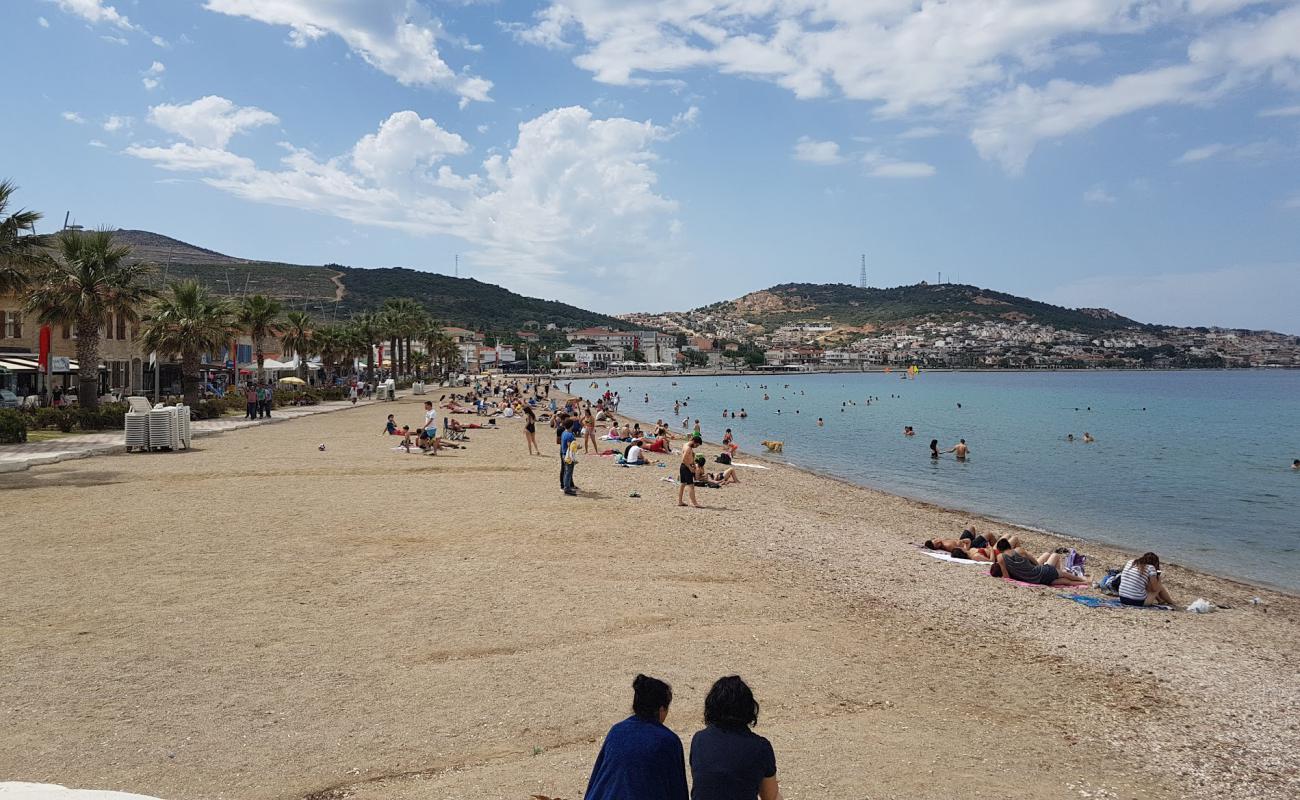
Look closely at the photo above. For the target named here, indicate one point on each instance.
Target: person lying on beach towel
(659, 445)
(1046, 570)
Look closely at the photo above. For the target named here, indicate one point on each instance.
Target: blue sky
(620, 155)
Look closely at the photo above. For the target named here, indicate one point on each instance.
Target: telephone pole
(458, 265)
(862, 276)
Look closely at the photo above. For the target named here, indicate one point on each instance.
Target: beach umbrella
(293, 380)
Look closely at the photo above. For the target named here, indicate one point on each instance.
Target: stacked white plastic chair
(137, 423)
(417, 388)
(183, 425)
(162, 429)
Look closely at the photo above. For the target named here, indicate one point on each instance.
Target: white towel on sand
(942, 556)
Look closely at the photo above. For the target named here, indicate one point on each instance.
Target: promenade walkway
(18, 457)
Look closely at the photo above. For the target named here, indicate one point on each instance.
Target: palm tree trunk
(87, 364)
(190, 377)
(392, 355)
(370, 361)
(406, 353)
(261, 358)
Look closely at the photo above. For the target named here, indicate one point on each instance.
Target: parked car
(8, 399)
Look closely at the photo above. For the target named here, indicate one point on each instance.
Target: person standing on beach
(641, 759)
(530, 431)
(686, 471)
(568, 457)
(250, 400)
(589, 432)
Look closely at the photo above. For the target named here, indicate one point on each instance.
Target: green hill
(846, 305)
(335, 291)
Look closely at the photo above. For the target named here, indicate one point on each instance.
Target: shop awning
(29, 362)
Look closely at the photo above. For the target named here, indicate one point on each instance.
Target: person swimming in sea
(1069, 437)
(934, 448)
(907, 431)
(1087, 438)
(1295, 464)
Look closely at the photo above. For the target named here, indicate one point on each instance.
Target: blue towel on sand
(1105, 602)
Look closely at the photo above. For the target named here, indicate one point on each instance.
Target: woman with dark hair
(728, 760)
(1139, 583)
(934, 448)
(641, 759)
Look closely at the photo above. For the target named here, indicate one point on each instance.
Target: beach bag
(1109, 582)
(571, 457)
(723, 458)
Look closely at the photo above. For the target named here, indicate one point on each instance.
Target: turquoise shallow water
(1201, 476)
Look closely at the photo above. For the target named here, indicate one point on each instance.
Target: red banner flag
(44, 358)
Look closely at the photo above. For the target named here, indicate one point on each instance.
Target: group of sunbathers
(1009, 559)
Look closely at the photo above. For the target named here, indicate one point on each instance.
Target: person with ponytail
(641, 758)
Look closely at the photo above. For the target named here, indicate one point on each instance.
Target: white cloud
(920, 132)
(43, 22)
(118, 40)
(574, 199)
(882, 166)
(160, 42)
(902, 169)
(72, 116)
(115, 123)
(181, 157)
(815, 152)
(1293, 202)
(94, 12)
(1285, 111)
(397, 37)
(96, 143)
(1228, 297)
(153, 76)
(986, 64)
(209, 121)
(1098, 196)
(404, 144)
(1200, 153)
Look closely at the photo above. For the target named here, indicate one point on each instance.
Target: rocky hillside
(850, 306)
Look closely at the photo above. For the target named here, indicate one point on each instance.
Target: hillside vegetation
(842, 304)
(336, 291)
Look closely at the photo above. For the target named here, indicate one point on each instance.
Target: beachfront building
(122, 365)
(587, 357)
(653, 345)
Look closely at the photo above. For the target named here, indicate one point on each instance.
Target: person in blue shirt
(641, 759)
(728, 760)
(567, 438)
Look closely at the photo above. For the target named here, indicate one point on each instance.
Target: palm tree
(367, 324)
(434, 338)
(189, 322)
(406, 319)
(330, 342)
(86, 287)
(19, 252)
(259, 317)
(296, 337)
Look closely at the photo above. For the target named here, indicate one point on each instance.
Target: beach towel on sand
(1106, 602)
(942, 556)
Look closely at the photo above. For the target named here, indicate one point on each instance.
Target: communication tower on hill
(862, 276)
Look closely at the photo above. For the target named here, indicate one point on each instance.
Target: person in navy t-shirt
(728, 760)
(641, 759)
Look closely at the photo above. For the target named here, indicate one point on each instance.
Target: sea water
(1194, 465)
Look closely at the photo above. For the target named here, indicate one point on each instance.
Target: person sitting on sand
(729, 760)
(641, 758)
(1016, 564)
(634, 455)
(1139, 583)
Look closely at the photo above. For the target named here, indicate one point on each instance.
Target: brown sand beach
(260, 619)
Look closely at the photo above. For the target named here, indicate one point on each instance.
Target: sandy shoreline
(258, 619)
